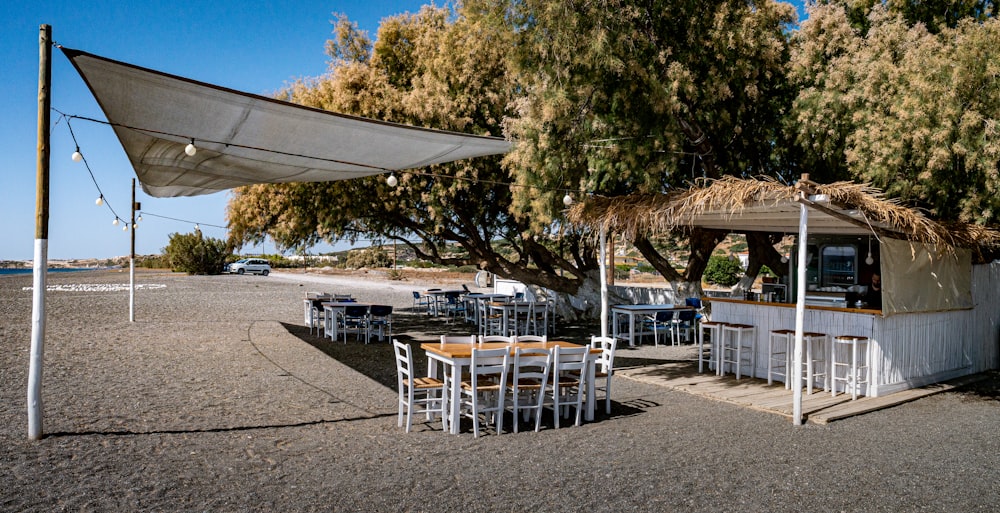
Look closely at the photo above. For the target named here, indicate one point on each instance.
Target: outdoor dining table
(331, 311)
(475, 297)
(456, 357)
(631, 311)
(438, 298)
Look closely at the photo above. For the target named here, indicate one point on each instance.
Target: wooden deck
(818, 408)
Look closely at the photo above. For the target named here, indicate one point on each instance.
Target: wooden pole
(131, 262)
(41, 235)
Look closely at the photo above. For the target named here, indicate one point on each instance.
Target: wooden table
(632, 310)
(456, 357)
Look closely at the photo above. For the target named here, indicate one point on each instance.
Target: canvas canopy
(244, 139)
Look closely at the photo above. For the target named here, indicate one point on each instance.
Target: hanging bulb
(190, 148)
(100, 200)
(115, 222)
(392, 181)
(134, 226)
(869, 260)
(77, 156)
(139, 218)
(784, 259)
(125, 228)
(197, 228)
(567, 200)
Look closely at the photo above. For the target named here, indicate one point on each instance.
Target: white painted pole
(800, 314)
(41, 265)
(604, 281)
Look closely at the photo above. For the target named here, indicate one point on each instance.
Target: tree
(436, 69)
(621, 98)
(907, 100)
(723, 271)
(194, 254)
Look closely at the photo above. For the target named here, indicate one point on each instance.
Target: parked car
(249, 265)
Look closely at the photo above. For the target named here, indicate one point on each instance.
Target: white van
(249, 265)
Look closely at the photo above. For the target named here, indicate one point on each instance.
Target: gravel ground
(217, 399)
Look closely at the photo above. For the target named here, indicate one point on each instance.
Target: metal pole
(131, 262)
(41, 235)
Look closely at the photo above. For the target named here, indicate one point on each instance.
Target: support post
(131, 262)
(604, 281)
(41, 264)
(800, 312)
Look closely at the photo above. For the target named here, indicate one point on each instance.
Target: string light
(197, 228)
(77, 156)
(100, 200)
(125, 228)
(139, 218)
(567, 199)
(869, 260)
(392, 181)
(190, 149)
(115, 222)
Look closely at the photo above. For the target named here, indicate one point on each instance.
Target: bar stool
(781, 356)
(853, 372)
(736, 338)
(810, 340)
(714, 329)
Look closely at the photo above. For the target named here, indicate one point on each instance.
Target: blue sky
(255, 46)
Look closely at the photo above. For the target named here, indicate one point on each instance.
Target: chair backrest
(531, 364)
(664, 316)
(416, 295)
(570, 359)
(465, 288)
(380, 310)
(607, 346)
(458, 339)
(686, 316)
(530, 338)
(404, 363)
(355, 311)
(496, 338)
(451, 299)
(489, 364)
(694, 302)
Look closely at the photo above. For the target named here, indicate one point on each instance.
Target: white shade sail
(244, 139)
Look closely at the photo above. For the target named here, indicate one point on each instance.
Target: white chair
(569, 379)
(484, 391)
(531, 338)
(458, 339)
(529, 376)
(416, 395)
(604, 367)
(660, 322)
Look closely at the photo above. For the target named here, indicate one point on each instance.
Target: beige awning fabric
(244, 139)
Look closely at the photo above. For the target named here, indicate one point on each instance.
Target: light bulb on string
(197, 228)
(567, 199)
(100, 200)
(392, 181)
(784, 259)
(134, 226)
(125, 228)
(869, 260)
(115, 222)
(190, 149)
(77, 156)
(139, 218)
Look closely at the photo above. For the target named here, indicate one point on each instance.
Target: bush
(194, 254)
(723, 271)
(370, 258)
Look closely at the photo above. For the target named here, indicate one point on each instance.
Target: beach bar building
(940, 312)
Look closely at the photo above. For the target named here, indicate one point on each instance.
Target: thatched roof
(740, 205)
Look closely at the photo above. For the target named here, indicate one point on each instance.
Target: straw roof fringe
(660, 214)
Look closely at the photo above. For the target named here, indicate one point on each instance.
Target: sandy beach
(218, 399)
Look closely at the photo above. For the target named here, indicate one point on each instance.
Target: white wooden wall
(907, 350)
